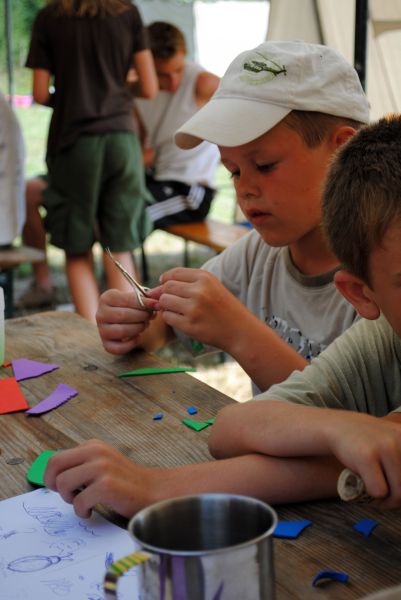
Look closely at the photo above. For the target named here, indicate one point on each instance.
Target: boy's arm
(123, 325)
(197, 303)
(206, 85)
(369, 446)
(148, 154)
(147, 85)
(94, 473)
(40, 86)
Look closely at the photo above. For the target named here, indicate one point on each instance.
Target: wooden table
(120, 412)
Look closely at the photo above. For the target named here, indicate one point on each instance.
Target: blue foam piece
(365, 526)
(191, 410)
(158, 417)
(290, 529)
(331, 576)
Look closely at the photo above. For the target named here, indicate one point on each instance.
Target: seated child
(321, 420)
(280, 113)
(341, 411)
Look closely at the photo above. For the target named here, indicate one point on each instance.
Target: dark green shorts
(97, 191)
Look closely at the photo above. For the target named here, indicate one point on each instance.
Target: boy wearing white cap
(278, 116)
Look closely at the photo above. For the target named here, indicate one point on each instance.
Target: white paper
(48, 553)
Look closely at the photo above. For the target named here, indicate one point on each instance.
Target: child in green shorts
(96, 185)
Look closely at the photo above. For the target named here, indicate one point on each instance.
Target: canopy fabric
(333, 24)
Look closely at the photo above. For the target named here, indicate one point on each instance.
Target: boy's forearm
(273, 428)
(274, 480)
(266, 358)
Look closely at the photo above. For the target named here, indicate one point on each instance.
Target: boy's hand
(94, 473)
(371, 447)
(121, 320)
(197, 303)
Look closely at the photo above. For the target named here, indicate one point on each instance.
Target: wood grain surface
(120, 412)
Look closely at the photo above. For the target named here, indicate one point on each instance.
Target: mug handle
(118, 568)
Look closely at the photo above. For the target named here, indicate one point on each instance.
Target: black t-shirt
(89, 58)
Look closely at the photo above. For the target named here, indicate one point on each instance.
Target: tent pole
(361, 27)
(9, 55)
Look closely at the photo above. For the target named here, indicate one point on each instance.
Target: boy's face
(385, 274)
(278, 182)
(170, 71)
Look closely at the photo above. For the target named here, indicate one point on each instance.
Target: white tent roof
(333, 24)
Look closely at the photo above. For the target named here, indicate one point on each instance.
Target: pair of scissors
(140, 290)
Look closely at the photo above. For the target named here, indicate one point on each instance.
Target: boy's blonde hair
(90, 8)
(362, 195)
(315, 127)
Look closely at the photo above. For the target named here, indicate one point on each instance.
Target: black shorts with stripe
(177, 202)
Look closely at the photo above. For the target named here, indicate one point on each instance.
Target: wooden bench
(10, 258)
(210, 233)
(213, 234)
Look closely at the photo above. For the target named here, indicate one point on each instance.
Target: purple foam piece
(61, 394)
(24, 368)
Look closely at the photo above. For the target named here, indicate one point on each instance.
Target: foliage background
(23, 14)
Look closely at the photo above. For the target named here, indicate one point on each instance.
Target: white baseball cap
(261, 86)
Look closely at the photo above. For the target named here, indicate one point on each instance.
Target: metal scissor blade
(139, 290)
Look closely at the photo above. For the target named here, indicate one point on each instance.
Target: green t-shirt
(360, 371)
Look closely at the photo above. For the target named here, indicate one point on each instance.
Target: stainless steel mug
(203, 547)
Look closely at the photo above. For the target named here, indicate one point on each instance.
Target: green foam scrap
(197, 346)
(155, 371)
(198, 425)
(37, 469)
(195, 425)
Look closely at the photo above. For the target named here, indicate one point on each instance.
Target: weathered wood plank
(120, 411)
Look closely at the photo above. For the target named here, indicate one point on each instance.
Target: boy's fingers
(120, 347)
(111, 300)
(393, 479)
(68, 459)
(180, 274)
(84, 502)
(178, 289)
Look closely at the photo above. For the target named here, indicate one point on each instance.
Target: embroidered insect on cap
(261, 86)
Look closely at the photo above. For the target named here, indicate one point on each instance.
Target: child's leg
(113, 276)
(33, 233)
(83, 285)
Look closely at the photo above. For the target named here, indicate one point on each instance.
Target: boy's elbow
(220, 439)
(214, 445)
(150, 92)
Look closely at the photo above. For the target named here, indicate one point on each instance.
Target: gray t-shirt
(306, 312)
(361, 371)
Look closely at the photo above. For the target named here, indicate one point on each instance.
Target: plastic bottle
(2, 336)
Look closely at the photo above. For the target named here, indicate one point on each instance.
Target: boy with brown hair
(181, 183)
(342, 410)
(281, 111)
(361, 371)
